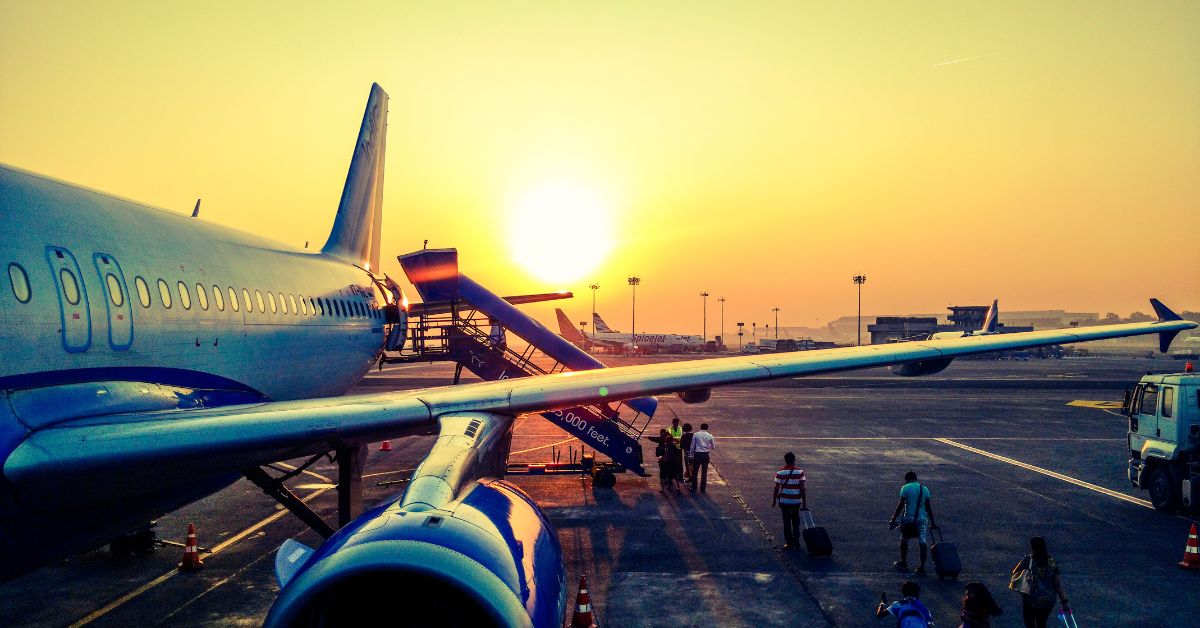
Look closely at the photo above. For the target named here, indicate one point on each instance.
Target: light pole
(721, 300)
(859, 280)
(704, 328)
(594, 288)
(753, 332)
(741, 326)
(776, 310)
(634, 282)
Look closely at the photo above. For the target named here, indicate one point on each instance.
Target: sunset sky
(1047, 154)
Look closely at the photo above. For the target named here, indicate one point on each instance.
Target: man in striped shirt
(789, 496)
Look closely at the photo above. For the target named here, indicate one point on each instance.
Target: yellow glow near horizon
(560, 231)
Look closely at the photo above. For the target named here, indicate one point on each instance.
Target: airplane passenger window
(292, 299)
(283, 303)
(271, 298)
(303, 305)
(142, 290)
(246, 300)
(19, 281)
(164, 293)
(115, 294)
(70, 286)
(202, 297)
(218, 298)
(233, 302)
(262, 307)
(321, 303)
(185, 298)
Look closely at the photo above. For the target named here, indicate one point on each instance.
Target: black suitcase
(945, 558)
(816, 539)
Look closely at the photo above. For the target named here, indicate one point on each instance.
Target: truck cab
(1164, 438)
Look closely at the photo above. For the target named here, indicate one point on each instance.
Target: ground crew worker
(675, 430)
(790, 497)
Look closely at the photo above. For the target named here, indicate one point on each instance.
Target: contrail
(954, 61)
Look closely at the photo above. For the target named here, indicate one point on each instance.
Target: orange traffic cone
(385, 445)
(191, 554)
(1191, 553)
(584, 617)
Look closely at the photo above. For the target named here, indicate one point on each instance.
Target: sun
(560, 231)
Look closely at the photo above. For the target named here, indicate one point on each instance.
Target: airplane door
(72, 300)
(116, 293)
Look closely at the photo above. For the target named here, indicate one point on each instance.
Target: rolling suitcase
(1068, 619)
(816, 539)
(945, 557)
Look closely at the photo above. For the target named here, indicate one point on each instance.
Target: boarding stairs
(465, 323)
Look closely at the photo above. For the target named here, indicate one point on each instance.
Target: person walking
(685, 445)
(1037, 578)
(908, 610)
(916, 517)
(702, 445)
(789, 496)
(978, 607)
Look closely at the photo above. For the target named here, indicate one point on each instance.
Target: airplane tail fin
(356, 229)
(600, 326)
(993, 315)
(1164, 315)
(565, 327)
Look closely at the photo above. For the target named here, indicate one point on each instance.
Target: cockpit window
(20, 282)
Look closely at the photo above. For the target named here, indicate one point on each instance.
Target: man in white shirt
(702, 444)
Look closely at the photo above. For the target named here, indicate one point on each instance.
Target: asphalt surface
(981, 435)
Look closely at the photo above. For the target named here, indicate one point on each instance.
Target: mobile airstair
(463, 322)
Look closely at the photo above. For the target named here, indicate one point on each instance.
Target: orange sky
(1047, 155)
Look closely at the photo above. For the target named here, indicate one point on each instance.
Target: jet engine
(920, 367)
(488, 558)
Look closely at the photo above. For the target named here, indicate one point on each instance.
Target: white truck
(1164, 438)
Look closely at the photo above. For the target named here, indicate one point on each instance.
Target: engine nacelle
(489, 558)
(920, 367)
(695, 395)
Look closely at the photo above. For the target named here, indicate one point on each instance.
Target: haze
(954, 153)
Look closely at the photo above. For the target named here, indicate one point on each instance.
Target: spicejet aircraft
(151, 358)
(605, 336)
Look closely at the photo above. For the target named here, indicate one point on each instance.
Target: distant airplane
(151, 359)
(605, 336)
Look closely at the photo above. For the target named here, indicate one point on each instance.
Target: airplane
(151, 359)
(605, 336)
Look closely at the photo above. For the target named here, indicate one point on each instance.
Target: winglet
(565, 327)
(993, 316)
(1165, 314)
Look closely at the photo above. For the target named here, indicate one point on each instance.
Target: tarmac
(1008, 449)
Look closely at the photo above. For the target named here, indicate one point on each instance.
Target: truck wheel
(1164, 492)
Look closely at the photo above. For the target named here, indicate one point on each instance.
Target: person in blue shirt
(908, 610)
(916, 518)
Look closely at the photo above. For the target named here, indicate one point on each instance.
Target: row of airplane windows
(299, 306)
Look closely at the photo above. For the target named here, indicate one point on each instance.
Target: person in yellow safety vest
(675, 430)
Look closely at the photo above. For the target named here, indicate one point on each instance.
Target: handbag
(1022, 579)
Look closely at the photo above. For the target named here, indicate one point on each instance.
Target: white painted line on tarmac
(1020, 438)
(117, 603)
(1058, 476)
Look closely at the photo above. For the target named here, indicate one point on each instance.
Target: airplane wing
(204, 442)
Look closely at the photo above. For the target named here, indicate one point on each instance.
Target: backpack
(1041, 586)
(912, 614)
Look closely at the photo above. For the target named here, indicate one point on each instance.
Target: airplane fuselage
(109, 305)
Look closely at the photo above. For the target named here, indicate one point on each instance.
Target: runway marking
(1099, 405)
(1058, 476)
(315, 475)
(117, 603)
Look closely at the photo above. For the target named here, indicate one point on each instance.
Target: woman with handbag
(1037, 578)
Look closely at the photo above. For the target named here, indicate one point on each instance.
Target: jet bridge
(463, 322)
